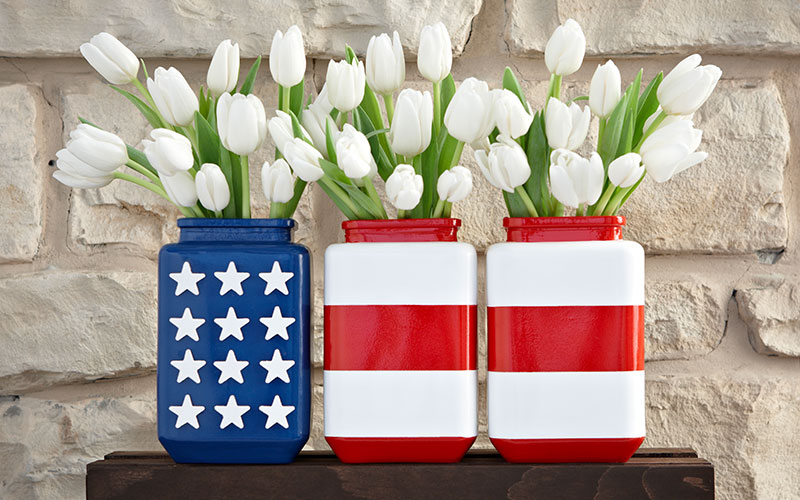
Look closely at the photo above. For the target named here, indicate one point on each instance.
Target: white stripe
(553, 405)
(406, 403)
(576, 273)
(427, 273)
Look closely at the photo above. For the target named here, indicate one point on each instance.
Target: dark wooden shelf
(655, 473)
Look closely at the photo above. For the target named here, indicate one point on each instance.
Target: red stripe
(567, 450)
(377, 450)
(566, 338)
(401, 337)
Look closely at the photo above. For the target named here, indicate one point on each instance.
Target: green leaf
(208, 143)
(448, 90)
(349, 53)
(204, 102)
(296, 97)
(227, 160)
(626, 138)
(333, 171)
(297, 129)
(329, 142)
(516, 208)
(430, 178)
(614, 124)
(538, 153)
(362, 200)
(446, 154)
(510, 83)
(147, 111)
(648, 104)
(371, 107)
(249, 80)
(338, 201)
(385, 166)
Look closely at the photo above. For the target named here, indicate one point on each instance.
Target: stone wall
(78, 268)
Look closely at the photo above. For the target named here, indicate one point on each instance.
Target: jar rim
(401, 230)
(201, 222)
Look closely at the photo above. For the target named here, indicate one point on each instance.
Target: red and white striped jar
(566, 341)
(400, 375)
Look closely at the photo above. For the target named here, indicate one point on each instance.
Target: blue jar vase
(234, 303)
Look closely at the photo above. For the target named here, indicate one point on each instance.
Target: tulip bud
(109, 57)
(574, 180)
(564, 51)
(277, 181)
(169, 152)
(304, 159)
(435, 55)
(180, 188)
(455, 184)
(241, 123)
(672, 149)
(410, 132)
(79, 181)
(404, 187)
(345, 83)
(281, 130)
(353, 153)
(505, 166)
(212, 187)
(386, 65)
(287, 57)
(173, 97)
(566, 127)
(469, 115)
(626, 170)
(509, 115)
(605, 92)
(102, 151)
(223, 72)
(687, 86)
(315, 122)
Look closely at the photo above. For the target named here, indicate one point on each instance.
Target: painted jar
(400, 379)
(566, 341)
(234, 300)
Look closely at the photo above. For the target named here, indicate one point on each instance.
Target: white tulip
(101, 150)
(505, 166)
(74, 166)
(687, 86)
(169, 152)
(287, 57)
(345, 82)
(315, 123)
(281, 130)
(304, 159)
(672, 149)
(566, 127)
(435, 55)
(626, 170)
(223, 72)
(212, 187)
(241, 123)
(605, 90)
(455, 184)
(666, 121)
(277, 181)
(386, 65)
(565, 49)
(322, 104)
(353, 153)
(404, 187)
(81, 182)
(509, 115)
(111, 58)
(173, 97)
(410, 132)
(180, 188)
(469, 115)
(574, 180)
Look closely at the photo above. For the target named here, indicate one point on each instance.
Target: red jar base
(400, 450)
(617, 450)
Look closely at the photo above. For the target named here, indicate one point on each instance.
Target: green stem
(146, 93)
(598, 207)
(144, 171)
(580, 210)
(151, 187)
(437, 108)
(555, 87)
(330, 184)
(401, 214)
(456, 155)
(198, 212)
(245, 176)
(299, 187)
(373, 194)
(652, 128)
(615, 202)
(527, 201)
(600, 131)
(448, 207)
(218, 214)
(190, 134)
(387, 100)
(438, 210)
(286, 99)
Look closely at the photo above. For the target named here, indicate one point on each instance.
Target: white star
(187, 413)
(232, 413)
(231, 280)
(231, 325)
(231, 368)
(277, 324)
(277, 367)
(187, 325)
(188, 367)
(186, 280)
(276, 279)
(276, 413)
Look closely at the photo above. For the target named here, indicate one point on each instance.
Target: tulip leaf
(538, 155)
(226, 164)
(291, 206)
(249, 80)
(511, 83)
(648, 104)
(626, 138)
(614, 123)
(448, 91)
(297, 129)
(204, 102)
(362, 201)
(144, 69)
(446, 154)
(147, 111)
(208, 143)
(430, 179)
(515, 205)
(338, 201)
(296, 94)
(333, 171)
(329, 142)
(349, 53)
(369, 104)
(633, 90)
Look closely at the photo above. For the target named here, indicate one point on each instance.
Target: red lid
(400, 230)
(536, 229)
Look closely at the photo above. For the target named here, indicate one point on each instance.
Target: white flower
(304, 159)
(169, 152)
(174, 98)
(223, 72)
(241, 123)
(564, 51)
(386, 65)
(80, 182)
(287, 57)
(281, 130)
(345, 82)
(605, 90)
(469, 115)
(353, 153)
(566, 127)
(410, 132)
(277, 181)
(212, 187)
(687, 86)
(672, 149)
(574, 180)
(505, 166)
(626, 170)
(315, 122)
(180, 188)
(404, 187)
(111, 58)
(435, 55)
(103, 151)
(509, 115)
(455, 184)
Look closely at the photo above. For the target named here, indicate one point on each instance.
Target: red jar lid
(541, 229)
(400, 230)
